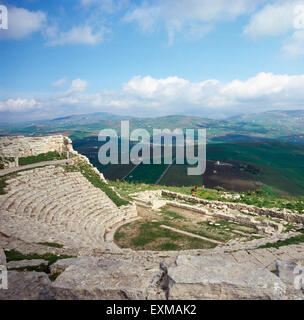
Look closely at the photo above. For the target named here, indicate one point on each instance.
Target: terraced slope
(52, 205)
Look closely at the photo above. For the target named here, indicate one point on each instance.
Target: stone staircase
(50, 204)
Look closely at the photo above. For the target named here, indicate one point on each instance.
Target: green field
(281, 165)
(145, 173)
(277, 166)
(177, 176)
(261, 150)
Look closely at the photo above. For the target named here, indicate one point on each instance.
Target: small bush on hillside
(2, 185)
(49, 156)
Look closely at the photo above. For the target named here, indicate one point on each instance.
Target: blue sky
(209, 58)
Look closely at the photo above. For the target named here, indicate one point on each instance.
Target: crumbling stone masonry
(12, 148)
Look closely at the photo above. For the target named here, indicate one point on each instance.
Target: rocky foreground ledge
(157, 275)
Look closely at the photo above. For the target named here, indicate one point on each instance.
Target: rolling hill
(285, 126)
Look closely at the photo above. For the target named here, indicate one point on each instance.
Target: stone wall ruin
(13, 148)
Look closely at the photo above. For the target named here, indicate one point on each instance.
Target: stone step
(51, 204)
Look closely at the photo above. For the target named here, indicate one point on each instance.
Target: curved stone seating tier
(51, 205)
(35, 232)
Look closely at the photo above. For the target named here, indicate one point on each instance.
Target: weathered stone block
(216, 278)
(94, 278)
(286, 270)
(27, 286)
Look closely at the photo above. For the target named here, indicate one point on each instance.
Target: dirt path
(35, 165)
(190, 234)
(163, 174)
(130, 172)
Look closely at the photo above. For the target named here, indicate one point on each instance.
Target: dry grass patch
(146, 234)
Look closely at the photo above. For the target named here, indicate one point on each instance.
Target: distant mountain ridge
(277, 125)
(273, 114)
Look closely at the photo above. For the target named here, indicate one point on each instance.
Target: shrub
(2, 185)
(49, 156)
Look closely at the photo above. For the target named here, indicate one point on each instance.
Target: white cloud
(279, 19)
(22, 23)
(180, 15)
(294, 45)
(148, 87)
(78, 85)
(264, 91)
(76, 35)
(18, 105)
(74, 95)
(172, 95)
(273, 20)
(60, 83)
(147, 96)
